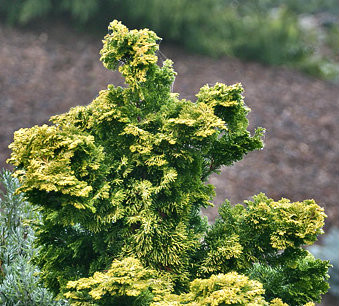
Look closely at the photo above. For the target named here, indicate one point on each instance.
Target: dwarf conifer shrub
(120, 184)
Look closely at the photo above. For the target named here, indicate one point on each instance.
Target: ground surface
(46, 70)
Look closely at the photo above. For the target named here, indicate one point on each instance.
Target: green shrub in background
(260, 30)
(19, 279)
(120, 184)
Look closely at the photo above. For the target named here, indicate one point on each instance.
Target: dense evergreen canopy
(120, 184)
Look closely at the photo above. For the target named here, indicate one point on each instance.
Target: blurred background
(285, 53)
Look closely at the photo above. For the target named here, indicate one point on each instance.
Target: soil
(47, 69)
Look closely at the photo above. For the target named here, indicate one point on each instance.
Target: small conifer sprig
(120, 184)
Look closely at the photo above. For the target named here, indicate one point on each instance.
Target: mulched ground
(46, 70)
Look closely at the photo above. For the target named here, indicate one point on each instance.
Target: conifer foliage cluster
(120, 183)
(19, 279)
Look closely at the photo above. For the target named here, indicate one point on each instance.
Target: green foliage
(19, 278)
(292, 281)
(221, 289)
(269, 234)
(126, 282)
(329, 250)
(309, 7)
(126, 174)
(260, 30)
(120, 184)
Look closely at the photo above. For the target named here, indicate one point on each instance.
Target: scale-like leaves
(125, 176)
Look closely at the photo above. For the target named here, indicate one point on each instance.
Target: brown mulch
(45, 71)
